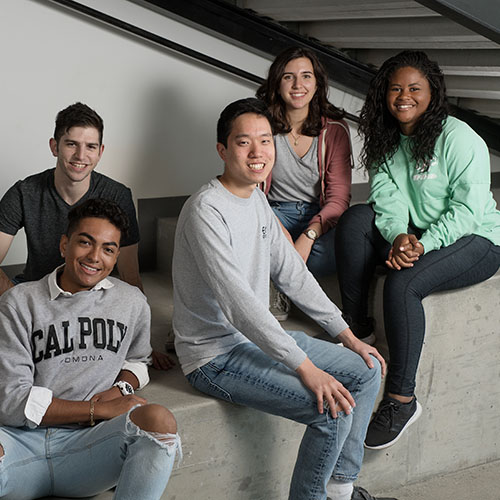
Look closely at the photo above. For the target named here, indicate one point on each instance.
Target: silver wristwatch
(125, 387)
(311, 234)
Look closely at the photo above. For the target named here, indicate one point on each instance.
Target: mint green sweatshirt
(451, 200)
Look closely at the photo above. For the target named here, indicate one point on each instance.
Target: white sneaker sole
(412, 420)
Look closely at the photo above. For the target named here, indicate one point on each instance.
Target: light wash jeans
(330, 447)
(295, 216)
(83, 462)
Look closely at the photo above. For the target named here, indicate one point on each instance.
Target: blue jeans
(360, 248)
(331, 447)
(295, 216)
(71, 462)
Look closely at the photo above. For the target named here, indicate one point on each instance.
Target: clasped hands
(405, 250)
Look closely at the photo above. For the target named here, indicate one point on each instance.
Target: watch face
(312, 234)
(128, 388)
(125, 387)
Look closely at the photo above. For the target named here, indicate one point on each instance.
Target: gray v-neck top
(294, 178)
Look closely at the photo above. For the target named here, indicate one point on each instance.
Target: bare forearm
(128, 266)
(62, 411)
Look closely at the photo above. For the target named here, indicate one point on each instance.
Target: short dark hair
(100, 209)
(238, 108)
(77, 115)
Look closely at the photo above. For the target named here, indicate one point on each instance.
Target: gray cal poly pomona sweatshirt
(74, 346)
(226, 248)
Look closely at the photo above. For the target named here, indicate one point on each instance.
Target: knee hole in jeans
(154, 418)
(2, 453)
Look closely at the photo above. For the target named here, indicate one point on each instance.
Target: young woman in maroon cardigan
(310, 185)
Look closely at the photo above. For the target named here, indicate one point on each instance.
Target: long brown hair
(319, 106)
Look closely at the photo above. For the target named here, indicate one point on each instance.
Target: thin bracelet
(92, 421)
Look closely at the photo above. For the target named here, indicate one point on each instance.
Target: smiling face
(408, 97)
(249, 154)
(78, 152)
(298, 84)
(90, 254)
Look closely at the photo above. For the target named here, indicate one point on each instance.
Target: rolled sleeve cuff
(39, 400)
(140, 370)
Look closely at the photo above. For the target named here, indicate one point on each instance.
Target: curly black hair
(98, 208)
(381, 130)
(318, 107)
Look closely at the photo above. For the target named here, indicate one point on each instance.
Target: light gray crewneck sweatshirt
(226, 248)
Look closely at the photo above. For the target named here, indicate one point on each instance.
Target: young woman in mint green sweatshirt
(431, 220)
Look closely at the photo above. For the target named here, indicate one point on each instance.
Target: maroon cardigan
(335, 166)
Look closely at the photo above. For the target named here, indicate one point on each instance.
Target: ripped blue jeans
(331, 447)
(69, 462)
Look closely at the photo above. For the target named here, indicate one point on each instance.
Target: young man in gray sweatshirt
(75, 346)
(228, 244)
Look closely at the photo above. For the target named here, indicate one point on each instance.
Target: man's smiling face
(78, 152)
(90, 253)
(249, 154)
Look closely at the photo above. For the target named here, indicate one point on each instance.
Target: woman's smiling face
(408, 97)
(298, 83)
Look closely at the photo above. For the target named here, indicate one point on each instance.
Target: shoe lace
(280, 302)
(384, 416)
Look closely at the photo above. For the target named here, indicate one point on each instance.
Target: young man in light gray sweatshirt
(228, 244)
(75, 346)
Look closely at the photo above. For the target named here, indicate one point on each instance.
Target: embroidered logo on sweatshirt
(264, 232)
(422, 173)
(424, 176)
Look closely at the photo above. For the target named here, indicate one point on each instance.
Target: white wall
(159, 108)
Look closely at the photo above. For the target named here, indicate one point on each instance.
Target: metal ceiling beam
(320, 10)
(481, 16)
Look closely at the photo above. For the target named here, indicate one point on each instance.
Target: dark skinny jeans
(360, 248)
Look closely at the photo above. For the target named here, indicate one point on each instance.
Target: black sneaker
(389, 422)
(362, 494)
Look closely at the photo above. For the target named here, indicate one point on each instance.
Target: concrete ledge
(457, 385)
(232, 449)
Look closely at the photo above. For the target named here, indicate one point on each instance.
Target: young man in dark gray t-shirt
(40, 203)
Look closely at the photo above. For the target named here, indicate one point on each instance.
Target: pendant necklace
(295, 139)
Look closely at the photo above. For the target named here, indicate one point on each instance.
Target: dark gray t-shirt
(34, 203)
